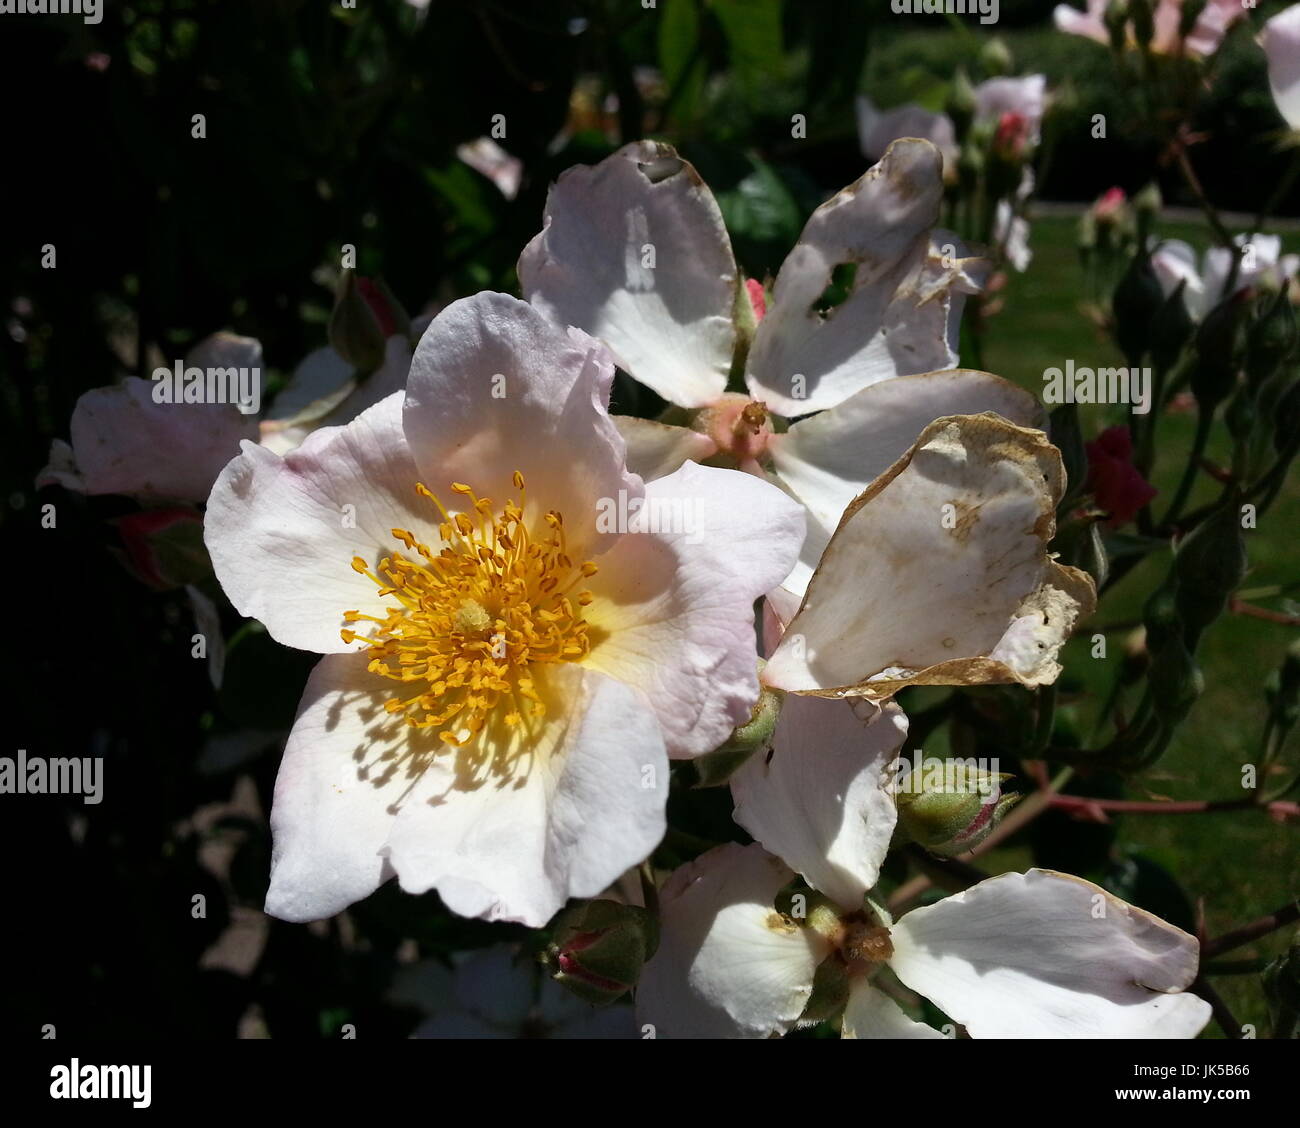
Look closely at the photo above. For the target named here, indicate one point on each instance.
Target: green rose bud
(1116, 18)
(1136, 302)
(1271, 340)
(1210, 563)
(1171, 330)
(598, 948)
(1218, 352)
(718, 766)
(961, 102)
(951, 811)
(995, 58)
(1282, 990)
(354, 330)
(1144, 22)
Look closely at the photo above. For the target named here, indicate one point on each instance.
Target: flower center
(473, 617)
(739, 427)
(865, 946)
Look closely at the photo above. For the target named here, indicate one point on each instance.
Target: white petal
(829, 459)
(819, 801)
(1045, 955)
(669, 321)
(1174, 261)
(61, 469)
(655, 450)
(877, 128)
(931, 565)
(728, 965)
(329, 823)
(496, 387)
(803, 361)
(1075, 22)
(321, 381)
(502, 832)
(325, 393)
(126, 443)
(590, 805)
(674, 607)
(873, 1014)
(282, 538)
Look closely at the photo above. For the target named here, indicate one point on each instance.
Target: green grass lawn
(1239, 864)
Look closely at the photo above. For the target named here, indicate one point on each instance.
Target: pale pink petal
(1074, 22)
(655, 450)
(819, 800)
(502, 829)
(803, 360)
(931, 566)
(496, 387)
(1046, 955)
(673, 608)
(127, 442)
(877, 128)
(728, 965)
(667, 318)
(282, 532)
(873, 1014)
(828, 459)
(584, 801)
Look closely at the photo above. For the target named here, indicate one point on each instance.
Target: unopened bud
(1271, 339)
(1175, 681)
(1242, 414)
(164, 547)
(830, 992)
(1281, 981)
(1161, 622)
(954, 814)
(1116, 18)
(1218, 351)
(1187, 17)
(1143, 18)
(755, 735)
(598, 948)
(1171, 330)
(1137, 300)
(961, 102)
(1286, 419)
(1067, 437)
(995, 58)
(1282, 690)
(1210, 563)
(355, 333)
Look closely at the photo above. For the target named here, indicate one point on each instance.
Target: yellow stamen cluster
(475, 616)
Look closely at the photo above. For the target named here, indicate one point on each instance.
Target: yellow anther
(471, 618)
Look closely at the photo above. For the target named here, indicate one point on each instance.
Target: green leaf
(753, 32)
(680, 57)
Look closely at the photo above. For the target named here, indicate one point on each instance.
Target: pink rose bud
(164, 547)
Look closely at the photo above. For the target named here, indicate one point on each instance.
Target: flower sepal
(952, 812)
(598, 948)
